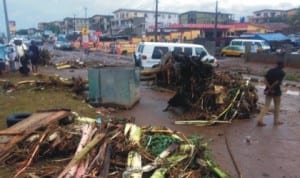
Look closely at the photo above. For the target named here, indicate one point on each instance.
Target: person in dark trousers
(34, 55)
(273, 80)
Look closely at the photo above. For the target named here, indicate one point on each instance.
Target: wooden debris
(102, 151)
(28, 126)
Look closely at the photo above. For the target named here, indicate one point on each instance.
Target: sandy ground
(271, 151)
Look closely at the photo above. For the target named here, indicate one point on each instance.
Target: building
(267, 15)
(12, 27)
(292, 12)
(71, 24)
(200, 17)
(100, 23)
(42, 26)
(141, 21)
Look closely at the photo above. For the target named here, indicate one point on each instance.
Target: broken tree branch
(82, 154)
(34, 152)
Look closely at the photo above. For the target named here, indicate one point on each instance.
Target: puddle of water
(294, 93)
(286, 91)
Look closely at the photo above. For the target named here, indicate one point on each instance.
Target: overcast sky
(27, 13)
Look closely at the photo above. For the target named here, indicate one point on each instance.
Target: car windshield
(62, 40)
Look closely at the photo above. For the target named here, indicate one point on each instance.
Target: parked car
(296, 52)
(38, 41)
(251, 42)
(232, 50)
(17, 40)
(149, 54)
(62, 44)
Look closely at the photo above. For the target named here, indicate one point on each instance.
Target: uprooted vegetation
(114, 148)
(206, 95)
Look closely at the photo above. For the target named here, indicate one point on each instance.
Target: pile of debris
(75, 84)
(208, 96)
(70, 64)
(44, 146)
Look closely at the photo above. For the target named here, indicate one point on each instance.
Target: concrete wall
(290, 60)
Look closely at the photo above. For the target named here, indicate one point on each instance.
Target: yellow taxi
(232, 51)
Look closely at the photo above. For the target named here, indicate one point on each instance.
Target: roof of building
(272, 37)
(135, 10)
(276, 26)
(195, 26)
(269, 10)
(204, 12)
(98, 15)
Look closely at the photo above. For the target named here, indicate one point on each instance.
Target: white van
(148, 54)
(261, 44)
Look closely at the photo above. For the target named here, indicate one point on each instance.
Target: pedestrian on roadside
(3, 53)
(273, 80)
(22, 57)
(34, 55)
(12, 57)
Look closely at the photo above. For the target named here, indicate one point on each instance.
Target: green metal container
(114, 86)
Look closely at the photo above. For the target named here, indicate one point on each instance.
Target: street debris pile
(75, 84)
(61, 144)
(74, 64)
(76, 60)
(207, 95)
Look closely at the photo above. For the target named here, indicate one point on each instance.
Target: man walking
(34, 55)
(273, 80)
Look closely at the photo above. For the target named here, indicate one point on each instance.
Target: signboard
(84, 31)
(85, 38)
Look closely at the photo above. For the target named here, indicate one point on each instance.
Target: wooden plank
(28, 126)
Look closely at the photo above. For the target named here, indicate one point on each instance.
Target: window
(158, 52)
(145, 15)
(239, 43)
(258, 44)
(246, 43)
(169, 16)
(141, 48)
(200, 51)
(273, 14)
(177, 50)
(188, 51)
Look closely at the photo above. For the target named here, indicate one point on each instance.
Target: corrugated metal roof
(272, 37)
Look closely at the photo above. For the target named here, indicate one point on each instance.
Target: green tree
(54, 28)
(295, 20)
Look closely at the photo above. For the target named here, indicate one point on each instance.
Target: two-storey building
(201, 17)
(141, 21)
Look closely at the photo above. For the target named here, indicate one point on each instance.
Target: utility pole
(6, 20)
(156, 16)
(216, 22)
(85, 11)
(216, 28)
(74, 23)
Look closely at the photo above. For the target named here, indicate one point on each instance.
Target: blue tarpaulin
(272, 37)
